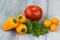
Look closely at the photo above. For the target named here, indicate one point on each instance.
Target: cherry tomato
(33, 12)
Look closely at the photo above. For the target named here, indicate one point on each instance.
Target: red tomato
(33, 13)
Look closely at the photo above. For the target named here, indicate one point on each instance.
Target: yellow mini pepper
(21, 18)
(10, 24)
(21, 29)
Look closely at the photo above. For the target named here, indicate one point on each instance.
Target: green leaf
(36, 28)
(30, 26)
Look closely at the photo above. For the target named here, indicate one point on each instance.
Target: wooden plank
(8, 35)
(30, 37)
(2, 2)
(54, 11)
(43, 5)
(11, 8)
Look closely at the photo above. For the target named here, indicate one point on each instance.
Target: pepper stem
(23, 30)
(14, 20)
(20, 17)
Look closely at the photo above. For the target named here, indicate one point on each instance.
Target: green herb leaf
(36, 28)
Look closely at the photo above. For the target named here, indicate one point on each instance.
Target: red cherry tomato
(33, 13)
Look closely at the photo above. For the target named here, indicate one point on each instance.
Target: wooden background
(8, 8)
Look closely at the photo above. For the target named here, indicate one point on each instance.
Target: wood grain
(10, 9)
(2, 3)
(54, 11)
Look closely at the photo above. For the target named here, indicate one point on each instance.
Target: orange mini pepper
(10, 24)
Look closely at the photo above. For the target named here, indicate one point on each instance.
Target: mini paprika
(21, 18)
(10, 24)
(21, 29)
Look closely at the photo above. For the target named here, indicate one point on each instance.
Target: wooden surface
(8, 8)
(54, 11)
